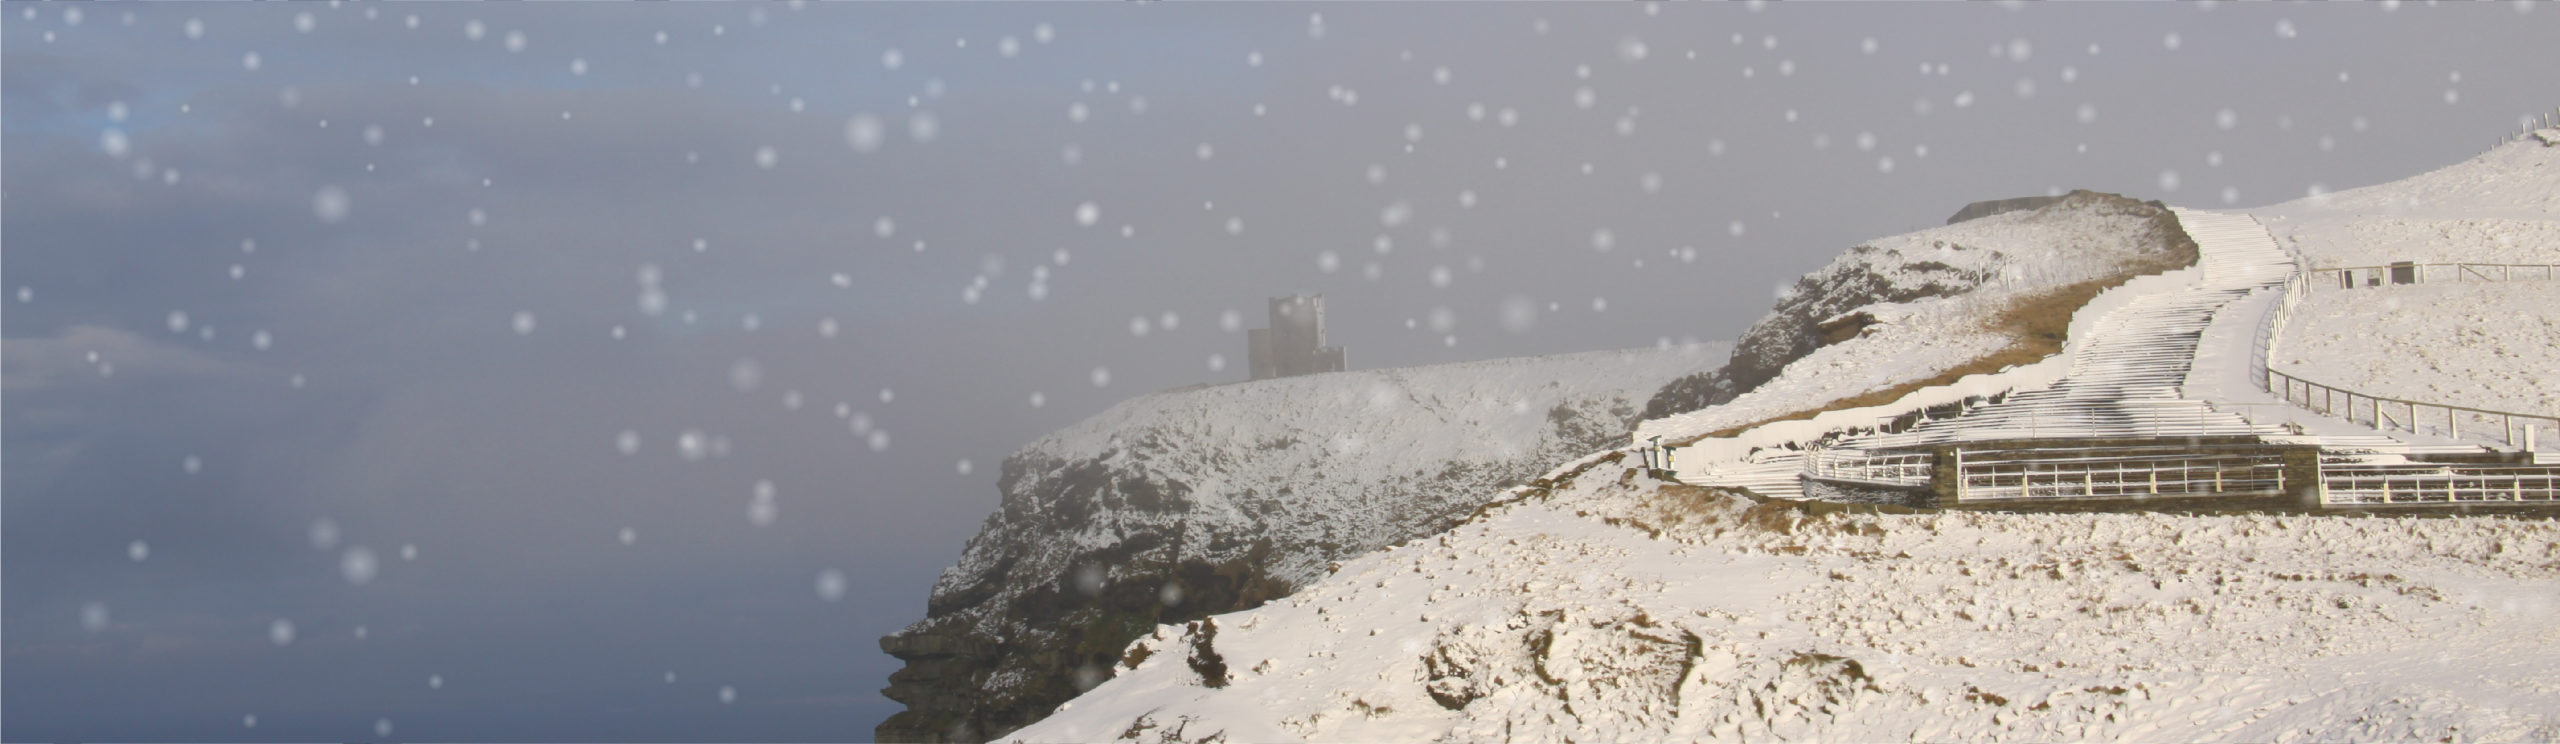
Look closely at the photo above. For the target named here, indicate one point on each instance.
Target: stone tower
(1294, 344)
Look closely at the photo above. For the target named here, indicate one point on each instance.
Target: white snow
(1621, 610)
(2029, 251)
(2489, 345)
(1615, 607)
(2470, 343)
(2500, 207)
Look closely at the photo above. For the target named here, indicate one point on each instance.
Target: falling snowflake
(330, 204)
(831, 585)
(358, 565)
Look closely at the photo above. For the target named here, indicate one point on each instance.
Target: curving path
(2159, 366)
(2127, 379)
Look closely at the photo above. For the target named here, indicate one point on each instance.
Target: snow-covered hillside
(1620, 608)
(2469, 343)
(1178, 504)
(2500, 207)
(2493, 346)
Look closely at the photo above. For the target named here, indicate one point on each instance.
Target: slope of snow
(2482, 344)
(2493, 345)
(2500, 207)
(1619, 608)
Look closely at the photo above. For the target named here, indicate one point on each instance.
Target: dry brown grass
(2036, 326)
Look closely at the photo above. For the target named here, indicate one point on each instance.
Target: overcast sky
(388, 323)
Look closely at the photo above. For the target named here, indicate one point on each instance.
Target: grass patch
(2036, 325)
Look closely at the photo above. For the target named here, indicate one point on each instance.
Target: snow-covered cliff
(1176, 505)
(1604, 604)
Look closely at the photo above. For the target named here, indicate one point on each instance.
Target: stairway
(2125, 377)
(2128, 377)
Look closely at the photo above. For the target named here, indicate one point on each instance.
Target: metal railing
(2354, 277)
(2280, 312)
(2119, 476)
(2352, 485)
(1876, 468)
(2516, 430)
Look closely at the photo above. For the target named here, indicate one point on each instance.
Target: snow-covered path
(2127, 376)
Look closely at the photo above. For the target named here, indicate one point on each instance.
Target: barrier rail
(2346, 277)
(1876, 468)
(2126, 476)
(2518, 430)
(2354, 485)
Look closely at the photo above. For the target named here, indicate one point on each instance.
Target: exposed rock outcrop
(1981, 209)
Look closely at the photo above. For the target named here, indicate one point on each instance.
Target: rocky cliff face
(1178, 505)
(1941, 262)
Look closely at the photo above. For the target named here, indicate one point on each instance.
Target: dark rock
(1981, 209)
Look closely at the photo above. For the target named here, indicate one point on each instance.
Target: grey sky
(1728, 148)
